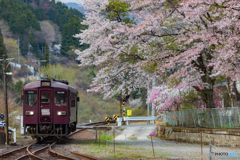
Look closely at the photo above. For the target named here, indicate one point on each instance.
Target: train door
(73, 107)
(46, 106)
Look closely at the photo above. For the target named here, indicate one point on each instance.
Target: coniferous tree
(46, 48)
(31, 40)
(58, 21)
(69, 30)
(3, 51)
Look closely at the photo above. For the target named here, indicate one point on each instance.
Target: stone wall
(219, 137)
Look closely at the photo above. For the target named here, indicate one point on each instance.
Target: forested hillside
(26, 19)
(45, 30)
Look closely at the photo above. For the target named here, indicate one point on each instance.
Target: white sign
(45, 112)
(2, 123)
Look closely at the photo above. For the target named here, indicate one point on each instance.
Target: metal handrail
(139, 118)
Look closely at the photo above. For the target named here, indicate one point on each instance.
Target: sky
(76, 1)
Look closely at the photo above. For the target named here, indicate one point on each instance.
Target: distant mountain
(79, 7)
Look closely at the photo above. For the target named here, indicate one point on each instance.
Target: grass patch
(104, 136)
(120, 128)
(122, 151)
(133, 137)
(117, 155)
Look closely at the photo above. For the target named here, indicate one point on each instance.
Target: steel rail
(74, 133)
(4, 154)
(31, 154)
(58, 154)
(39, 150)
(85, 156)
(25, 155)
(61, 155)
(88, 156)
(9, 152)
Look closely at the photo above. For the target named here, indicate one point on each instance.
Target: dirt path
(137, 138)
(136, 132)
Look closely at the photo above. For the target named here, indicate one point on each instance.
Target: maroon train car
(49, 108)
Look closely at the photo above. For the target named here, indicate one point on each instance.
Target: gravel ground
(131, 143)
(136, 137)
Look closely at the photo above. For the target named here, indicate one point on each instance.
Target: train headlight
(29, 113)
(61, 113)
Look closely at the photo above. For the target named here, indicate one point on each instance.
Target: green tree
(59, 72)
(69, 30)
(3, 51)
(46, 56)
(117, 11)
(58, 20)
(31, 40)
(18, 87)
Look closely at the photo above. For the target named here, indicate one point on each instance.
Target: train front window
(45, 98)
(30, 98)
(60, 98)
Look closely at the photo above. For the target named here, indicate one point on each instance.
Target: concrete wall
(219, 137)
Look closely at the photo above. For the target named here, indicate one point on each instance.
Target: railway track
(32, 150)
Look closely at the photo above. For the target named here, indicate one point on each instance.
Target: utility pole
(153, 105)
(5, 92)
(29, 46)
(18, 52)
(5, 95)
(120, 105)
(39, 66)
(42, 50)
(27, 77)
(148, 103)
(50, 52)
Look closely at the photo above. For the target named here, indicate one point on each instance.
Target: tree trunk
(208, 96)
(233, 93)
(237, 95)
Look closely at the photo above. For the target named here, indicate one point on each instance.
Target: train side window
(60, 98)
(45, 98)
(30, 98)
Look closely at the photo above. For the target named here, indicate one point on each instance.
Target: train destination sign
(47, 84)
(45, 112)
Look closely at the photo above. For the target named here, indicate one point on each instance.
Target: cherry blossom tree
(206, 44)
(120, 71)
(214, 27)
(192, 41)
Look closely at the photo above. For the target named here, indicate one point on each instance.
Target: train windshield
(30, 98)
(60, 98)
